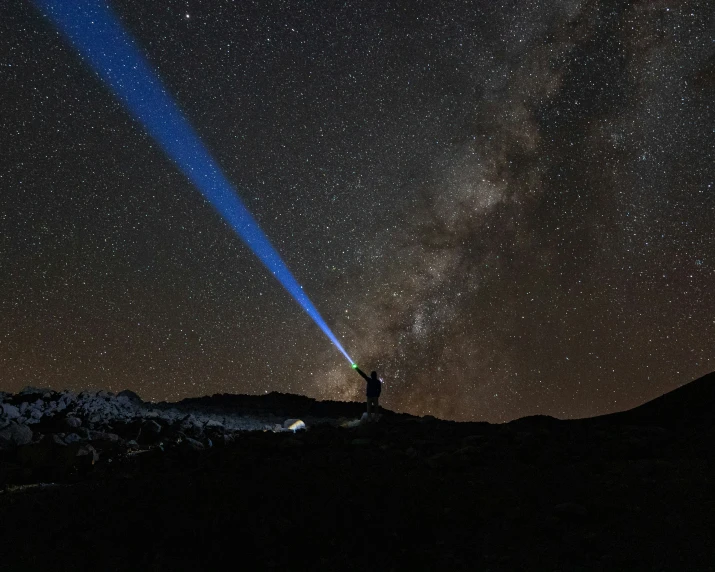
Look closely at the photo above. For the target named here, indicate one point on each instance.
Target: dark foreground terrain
(630, 491)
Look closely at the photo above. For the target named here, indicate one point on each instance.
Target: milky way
(504, 209)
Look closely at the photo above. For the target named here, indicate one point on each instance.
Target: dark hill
(274, 403)
(690, 404)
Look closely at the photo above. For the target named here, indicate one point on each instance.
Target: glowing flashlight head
(354, 366)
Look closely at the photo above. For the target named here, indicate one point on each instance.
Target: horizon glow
(97, 34)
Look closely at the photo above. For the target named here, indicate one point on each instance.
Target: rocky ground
(107, 482)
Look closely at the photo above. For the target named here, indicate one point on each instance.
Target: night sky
(505, 208)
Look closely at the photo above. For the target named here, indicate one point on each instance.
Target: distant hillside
(275, 403)
(690, 404)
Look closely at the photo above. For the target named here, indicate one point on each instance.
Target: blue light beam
(97, 34)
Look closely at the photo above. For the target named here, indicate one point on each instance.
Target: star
(487, 188)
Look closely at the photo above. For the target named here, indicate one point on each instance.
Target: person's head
(373, 375)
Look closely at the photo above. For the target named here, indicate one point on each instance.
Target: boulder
(192, 427)
(293, 424)
(103, 436)
(149, 433)
(87, 454)
(152, 427)
(213, 424)
(57, 439)
(73, 422)
(9, 411)
(192, 444)
(72, 438)
(15, 435)
(127, 430)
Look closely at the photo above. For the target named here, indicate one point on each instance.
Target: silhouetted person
(372, 392)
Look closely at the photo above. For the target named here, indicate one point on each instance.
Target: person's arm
(362, 373)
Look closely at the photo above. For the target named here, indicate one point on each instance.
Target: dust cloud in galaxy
(557, 259)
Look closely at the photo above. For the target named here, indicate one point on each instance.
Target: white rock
(293, 424)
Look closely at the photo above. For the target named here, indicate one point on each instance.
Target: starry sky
(506, 208)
